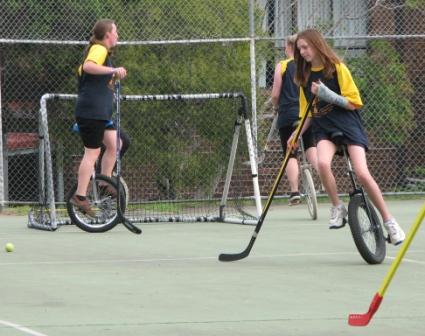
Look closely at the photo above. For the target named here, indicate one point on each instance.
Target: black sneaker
(294, 198)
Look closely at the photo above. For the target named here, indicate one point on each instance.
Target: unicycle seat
(338, 139)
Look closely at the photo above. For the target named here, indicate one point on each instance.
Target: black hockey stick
(245, 253)
(121, 217)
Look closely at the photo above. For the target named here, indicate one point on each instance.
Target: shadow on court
(300, 279)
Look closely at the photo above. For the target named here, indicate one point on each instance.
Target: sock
(391, 220)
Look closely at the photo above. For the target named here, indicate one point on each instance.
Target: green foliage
(386, 91)
(415, 4)
(152, 69)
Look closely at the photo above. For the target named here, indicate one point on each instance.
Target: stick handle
(390, 274)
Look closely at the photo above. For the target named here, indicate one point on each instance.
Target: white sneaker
(396, 234)
(338, 214)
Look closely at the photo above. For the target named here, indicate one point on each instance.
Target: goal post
(185, 162)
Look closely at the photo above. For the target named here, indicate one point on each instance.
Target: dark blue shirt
(289, 95)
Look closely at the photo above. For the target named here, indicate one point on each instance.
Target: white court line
(152, 260)
(21, 328)
(113, 261)
(409, 260)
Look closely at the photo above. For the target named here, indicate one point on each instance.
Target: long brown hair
(327, 56)
(100, 28)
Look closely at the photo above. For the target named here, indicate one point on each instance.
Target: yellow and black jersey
(97, 54)
(329, 118)
(289, 95)
(95, 97)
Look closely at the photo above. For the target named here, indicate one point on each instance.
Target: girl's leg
(358, 158)
(325, 152)
(311, 154)
(293, 174)
(86, 169)
(292, 171)
(84, 174)
(109, 157)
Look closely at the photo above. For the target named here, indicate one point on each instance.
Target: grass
(15, 210)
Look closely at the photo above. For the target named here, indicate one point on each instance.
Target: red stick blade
(361, 320)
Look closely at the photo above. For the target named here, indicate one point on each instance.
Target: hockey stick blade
(238, 256)
(131, 227)
(233, 256)
(361, 320)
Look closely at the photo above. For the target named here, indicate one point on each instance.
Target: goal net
(191, 158)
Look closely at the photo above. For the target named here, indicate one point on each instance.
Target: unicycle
(101, 200)
(101, 194)
(363, 220)
(308, 190)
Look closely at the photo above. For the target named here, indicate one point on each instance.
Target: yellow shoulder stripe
(346, 83)
(97, 54)
(303, 103)
(284, 65)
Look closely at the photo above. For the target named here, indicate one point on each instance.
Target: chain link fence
(383, 43)
(190, 46)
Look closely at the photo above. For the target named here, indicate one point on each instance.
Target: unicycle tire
(102, 203)
(309, 192)
(124, 188)
(368, 236)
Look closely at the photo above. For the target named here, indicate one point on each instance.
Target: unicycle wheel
(367, 232)
(101, 194)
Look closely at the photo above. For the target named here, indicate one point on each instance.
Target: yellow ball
(9, 247)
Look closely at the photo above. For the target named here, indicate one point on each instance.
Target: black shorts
(286, 132)
(92, 131)
(358, 139)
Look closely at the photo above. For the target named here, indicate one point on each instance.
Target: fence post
(2, 186)
(253, 71)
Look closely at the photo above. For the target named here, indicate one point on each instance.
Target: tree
(386, 89)
(152, 69)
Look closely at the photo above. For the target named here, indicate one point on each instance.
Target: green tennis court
(300, 279)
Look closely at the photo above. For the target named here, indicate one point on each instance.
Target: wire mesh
(176, 169)
(210, 46)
